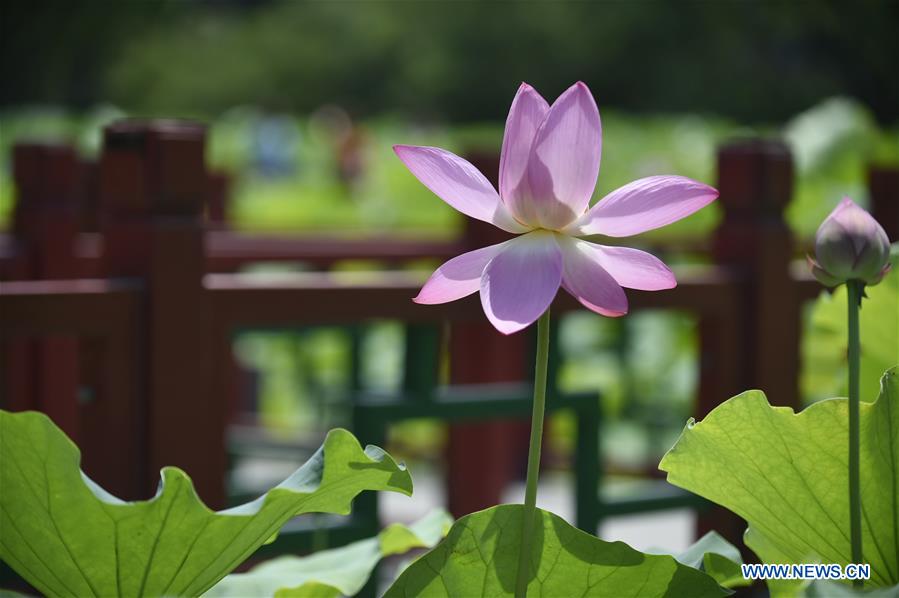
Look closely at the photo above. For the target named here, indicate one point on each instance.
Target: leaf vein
(159, 532)
(59, 533)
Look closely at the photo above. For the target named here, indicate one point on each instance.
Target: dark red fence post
(484, 457)
(755, 179)
(754, 343)
(217, 196)
(883, 185)
(43, 374)
(153, 184)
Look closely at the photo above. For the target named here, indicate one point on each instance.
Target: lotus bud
(850, 245)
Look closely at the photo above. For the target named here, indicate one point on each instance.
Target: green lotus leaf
(717, 557)
(335, 572)
(68, 537)
(831, 589)
(479, 557)
(786, 474)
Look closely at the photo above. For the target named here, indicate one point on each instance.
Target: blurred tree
(56, 51)
(754, 61)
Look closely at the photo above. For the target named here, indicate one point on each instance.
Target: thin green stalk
(854, 298)
(530, 494)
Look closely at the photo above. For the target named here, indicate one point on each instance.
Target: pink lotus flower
(547, 173)
(850, 245)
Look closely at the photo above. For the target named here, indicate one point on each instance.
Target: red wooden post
(217, 200)
(755, 179)
(755, 342)
(43, 374)
(88, 197)
(883, 185)
(483, 457)
(153, 183)
(229, 378)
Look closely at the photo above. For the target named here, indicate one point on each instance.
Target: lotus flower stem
(854, 298)
(530, 494)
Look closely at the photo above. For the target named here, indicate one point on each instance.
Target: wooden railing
(123, 335)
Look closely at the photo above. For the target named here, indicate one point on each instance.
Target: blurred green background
(751, 61)
(305, 100)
